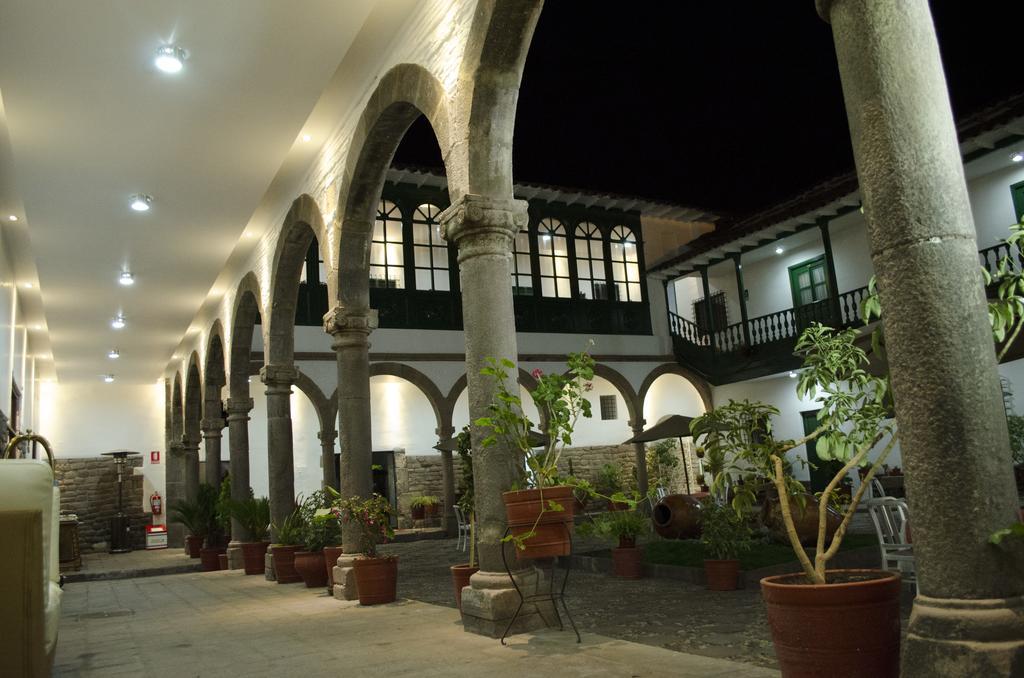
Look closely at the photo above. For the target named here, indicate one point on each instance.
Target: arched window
(313, 260)
(386, 248)
(553, 253)
(522, 278)
(625, 265)
(593, 283)
(430, 251)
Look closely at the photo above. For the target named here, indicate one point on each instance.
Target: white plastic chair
(890, 516)
(463, 524)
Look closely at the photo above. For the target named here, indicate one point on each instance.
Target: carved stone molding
(490, 223)
(279, 376)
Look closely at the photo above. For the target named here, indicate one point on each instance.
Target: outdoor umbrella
(672, 426)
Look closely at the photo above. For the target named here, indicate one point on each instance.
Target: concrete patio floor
(225, 623)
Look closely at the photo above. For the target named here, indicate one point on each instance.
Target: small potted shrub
(214, 543)
(609, 484)
(462, 573)
(725, 536)
(290, 536)
(376, 576)
(319, 527)
(424, 507)
(189, 512)
(623, 526)
(253, 515)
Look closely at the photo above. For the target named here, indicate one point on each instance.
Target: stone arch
(193, 399)
(248, 307)
(325, 413)
(489, 79)
(402, 95)
(177, 410)
(525, 379)
(301, 225)
(420, 381)
(624, 388)
(702, 386)
(214, 372)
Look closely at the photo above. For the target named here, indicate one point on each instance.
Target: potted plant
(725, 536)
(224, 520)
(624, 526)
(376, 576)
(290, 535)
(462, 573)
(539, 508)
(190, 513)
(320, 527)
(609, 483)
(213, 542)
(424, 506)
(253, 515)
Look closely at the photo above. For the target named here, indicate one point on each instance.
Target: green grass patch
(690, 553)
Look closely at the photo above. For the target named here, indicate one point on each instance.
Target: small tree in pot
(290, 536)
(190, 514)
(376, 576)
(725, 536)
(625, 526)
(320, 528)
(253, 515)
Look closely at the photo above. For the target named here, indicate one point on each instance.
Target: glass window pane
(582, 248)
(421, 234)
(544, 244)
(619, 292)
(632, 272)
(378, 230)
(441, 257)
(634, 292)
(422, 279)
(586, 289)
(820, 292)
(598, 270)
(803, 279)
(421, 256)
(398, 275)
(560, 246)
(818, 274)
(524, 284)
(563, 287)
(618, 271)
(806, 296)
(394, 231)
(395, 256)
(616, 251)
(322, 271)
(522, 242)
(441, 280)
(377, 253)
(377, 273)
(562, 266)
(547, 287)
(630, 250)
(546, 267)
(523, 263)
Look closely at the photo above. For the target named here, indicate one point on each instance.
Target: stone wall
(88, 488)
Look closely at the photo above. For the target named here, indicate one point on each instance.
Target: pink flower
(537, 373)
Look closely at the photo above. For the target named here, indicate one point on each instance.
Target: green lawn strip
(690, 553)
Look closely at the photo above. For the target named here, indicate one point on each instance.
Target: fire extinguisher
(156, 504)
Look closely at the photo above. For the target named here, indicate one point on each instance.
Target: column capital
(327, 437)
(445, 432)
(238, 407)
(500, 219)
(637, 425)
(212, 427)
(341, 320)
(189, 446)
(279, 376)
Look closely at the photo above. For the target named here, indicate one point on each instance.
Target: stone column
(642, 484)
(238, 450)
(190, 453)
(444, 437)
(212, 432)
(483, 229)
(175, 490)
(278, 380)
(327, 439)
(968, 617)
(350, 329)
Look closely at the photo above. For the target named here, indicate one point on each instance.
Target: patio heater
(120, 525)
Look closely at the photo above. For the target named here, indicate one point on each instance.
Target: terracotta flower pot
(208, 558)
(460, 580)
(419, 512)
(376, 580)
(310, 566)
(252, 556)
(551, 537)
(721, 575)
(677, 516)
(222, 561)
(284, 563)
(627, 542)
(193, 545)
(848, 628)
(628, 563)
(331, 554)
(431, 510)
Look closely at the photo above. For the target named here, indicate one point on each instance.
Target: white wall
(401, 416)
(671, 394)
(991, 203)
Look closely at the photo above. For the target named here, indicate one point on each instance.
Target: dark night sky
(730, 106)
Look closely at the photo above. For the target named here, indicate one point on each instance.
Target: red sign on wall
(154, 457)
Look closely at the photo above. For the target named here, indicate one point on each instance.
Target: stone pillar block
(345, 578)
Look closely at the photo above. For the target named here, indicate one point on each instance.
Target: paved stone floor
(133, 563)
(227, 624)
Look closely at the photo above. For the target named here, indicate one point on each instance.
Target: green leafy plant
(292, 531)
(725, 534)
(371, 516)
(468, 497)
(223, 507)
(609, 480)
(190, 513)
(207, 499)
(253, 515)
(617, 525)
(424, 501)
(662, 462)
(320, 527)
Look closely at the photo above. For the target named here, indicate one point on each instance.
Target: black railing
(990, 258)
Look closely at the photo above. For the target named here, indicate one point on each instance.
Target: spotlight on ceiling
(126, 279)
(114, 354)
(170, 58)
(109, 378)
(792, 375)
(141, 202)
(779, 250)
(1017, 156)
(306, 138)
(12, 217)
(118, 322)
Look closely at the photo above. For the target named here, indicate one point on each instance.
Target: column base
(490, 602)
(235, 560)
(345, 578)
(961, 637)
(268, 566)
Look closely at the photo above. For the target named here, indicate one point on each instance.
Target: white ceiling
(91, 121)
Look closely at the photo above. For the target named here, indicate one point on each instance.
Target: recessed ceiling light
(306, 138)
(126, 278)
(1018, 156)
(109, 378)
(27, 285)
(12, 217)
(792, 375)
(118, 322)
(779, 250)
(141, 202)
(170, 58)
(114, 354)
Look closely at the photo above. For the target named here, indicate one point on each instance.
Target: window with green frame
(808, 281)
(1017, 193)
